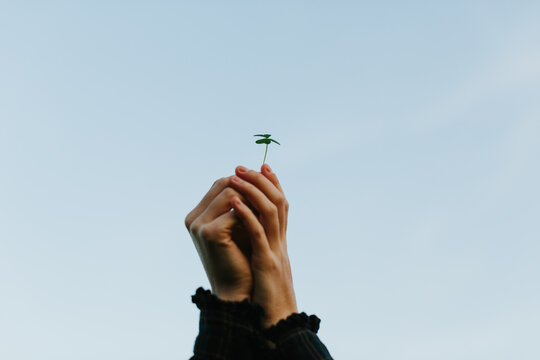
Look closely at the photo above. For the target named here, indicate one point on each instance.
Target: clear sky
(409, 155)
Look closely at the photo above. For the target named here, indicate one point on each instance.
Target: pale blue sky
(409, 156)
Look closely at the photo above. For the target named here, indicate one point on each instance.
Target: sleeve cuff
(295, 337)
(226, 328)
(292, 323)
(243, 310)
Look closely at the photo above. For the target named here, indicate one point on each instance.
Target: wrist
(226, 296)
(272, 318)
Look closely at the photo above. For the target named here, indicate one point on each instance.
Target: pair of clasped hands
(239, 230)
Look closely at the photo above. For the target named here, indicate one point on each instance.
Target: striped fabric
(230, 330)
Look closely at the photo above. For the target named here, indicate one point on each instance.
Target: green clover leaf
(266, 141)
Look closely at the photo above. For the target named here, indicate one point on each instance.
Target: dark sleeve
(296, 338)
(226, 328)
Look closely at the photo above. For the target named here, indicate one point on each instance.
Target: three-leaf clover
(266, 141)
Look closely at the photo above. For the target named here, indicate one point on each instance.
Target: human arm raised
(294, 335)
(227, 318)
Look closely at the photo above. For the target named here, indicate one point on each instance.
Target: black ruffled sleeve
(230, 330)
(296, 338)
(205, 300)
(227, 329)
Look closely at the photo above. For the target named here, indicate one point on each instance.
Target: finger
(268, 211)
(264, 184)
(229, 225)
(270, 175)
(215, 230)
(216, 188)
(220, 233)
(219, 205)
(259, 240)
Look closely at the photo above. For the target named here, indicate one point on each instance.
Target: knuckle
(221, 181)
(286, 205)
(272, 210)
(259, 233)
(187, 221)
(229, 192)
(205, 232)
(194, 227)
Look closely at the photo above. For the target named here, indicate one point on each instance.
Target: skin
(244, 251)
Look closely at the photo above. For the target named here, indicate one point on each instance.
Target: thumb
(227, 227)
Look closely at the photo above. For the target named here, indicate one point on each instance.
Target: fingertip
(236, 202)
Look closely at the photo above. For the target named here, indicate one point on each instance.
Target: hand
(273, 285)
(222, 242)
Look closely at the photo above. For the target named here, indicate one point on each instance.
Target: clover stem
(265, 153)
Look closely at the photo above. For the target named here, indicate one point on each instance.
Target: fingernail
(268, 168)
(242, 169)
(236, 179)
